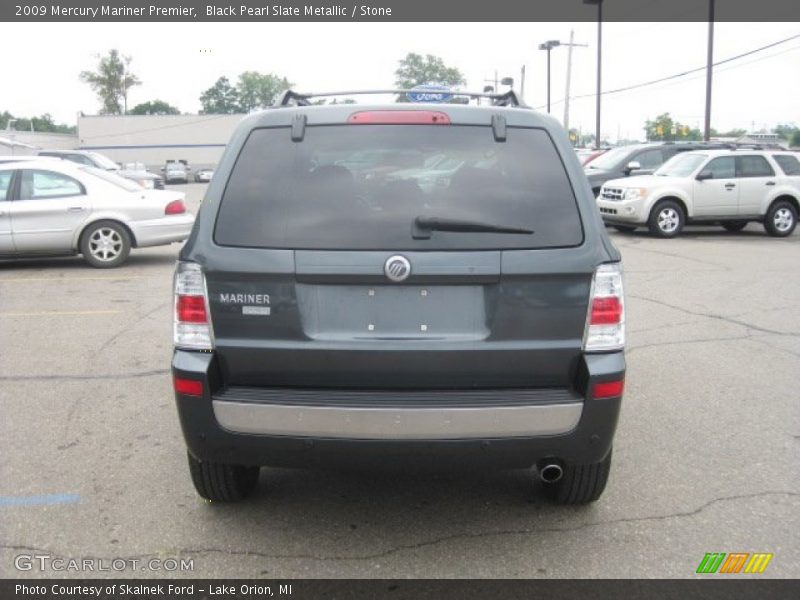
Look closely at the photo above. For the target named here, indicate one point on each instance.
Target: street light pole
(548, 45)
(548, 79)
(709, 70)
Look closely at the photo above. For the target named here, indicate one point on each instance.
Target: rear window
(360, 187)
(788, 164)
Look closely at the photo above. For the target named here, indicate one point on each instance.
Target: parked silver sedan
(60, 208)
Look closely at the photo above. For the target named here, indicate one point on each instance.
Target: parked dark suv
(637, 159)
(399, 283)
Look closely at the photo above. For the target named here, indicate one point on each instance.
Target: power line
(718, 71)
(683, 73)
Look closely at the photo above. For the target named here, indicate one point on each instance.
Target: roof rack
(292, 98)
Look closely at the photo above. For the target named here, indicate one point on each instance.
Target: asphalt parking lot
(707, 454)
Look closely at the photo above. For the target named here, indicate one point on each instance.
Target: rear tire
(666, 219)
(220, 482)
(580, 484)
(105, 244)
(625, 228)
(734, 226)
(781, 219)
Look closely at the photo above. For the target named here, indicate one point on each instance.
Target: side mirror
(703, 175)
(163, 169)
(633, 166)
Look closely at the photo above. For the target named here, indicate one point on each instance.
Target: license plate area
(417, 312)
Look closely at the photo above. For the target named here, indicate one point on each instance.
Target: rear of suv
(343, 300)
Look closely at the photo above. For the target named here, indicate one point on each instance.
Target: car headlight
(635, 193)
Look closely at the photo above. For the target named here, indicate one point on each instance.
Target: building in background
(155, 139)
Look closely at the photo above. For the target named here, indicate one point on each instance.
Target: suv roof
(60, 152)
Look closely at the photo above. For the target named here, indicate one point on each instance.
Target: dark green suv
(346, 299)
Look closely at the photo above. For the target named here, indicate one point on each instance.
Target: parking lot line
(60, 313)
(45, 499)
(67, 279)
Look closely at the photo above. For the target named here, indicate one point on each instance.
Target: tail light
(188, 387)
(605, 321)
(192, 326)
(608, 389)
(176, 207)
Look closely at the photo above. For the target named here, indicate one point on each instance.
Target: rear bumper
(164, 230)
(466, 427)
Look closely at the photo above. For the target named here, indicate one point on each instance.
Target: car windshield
(681, 165)
(113, 178)
(174, 167)
(104, 162)
(362, 188)
(608, 160)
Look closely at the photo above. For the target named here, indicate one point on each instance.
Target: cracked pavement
(706, 457)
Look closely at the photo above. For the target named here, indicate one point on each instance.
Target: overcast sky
(178, 61)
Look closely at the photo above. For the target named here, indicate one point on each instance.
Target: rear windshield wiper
(422, 227)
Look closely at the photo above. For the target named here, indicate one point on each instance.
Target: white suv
(729, 187)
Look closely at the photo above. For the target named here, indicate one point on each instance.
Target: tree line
(112, 80)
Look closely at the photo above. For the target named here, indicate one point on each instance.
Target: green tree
(416, 69)
(111, 82)
(734, 133)
(259, 90)
(220, 99)
(786, 130)
(43, 123)
(5, 117)
(795, 139)
(664, 129)
(154, 107)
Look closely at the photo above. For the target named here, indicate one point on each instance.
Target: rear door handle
(770, 183)
(75, 209)
(730, 186)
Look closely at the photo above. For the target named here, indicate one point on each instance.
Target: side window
(5, 184)
(37, 185)
(722, 168)
(753, 166)
(788, 164)
(650, 159)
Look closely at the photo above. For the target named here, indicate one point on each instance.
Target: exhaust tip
(551, 472)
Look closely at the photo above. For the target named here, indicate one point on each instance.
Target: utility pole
(569, 75)
(709, 70)
(599, 4)
(522, 84)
